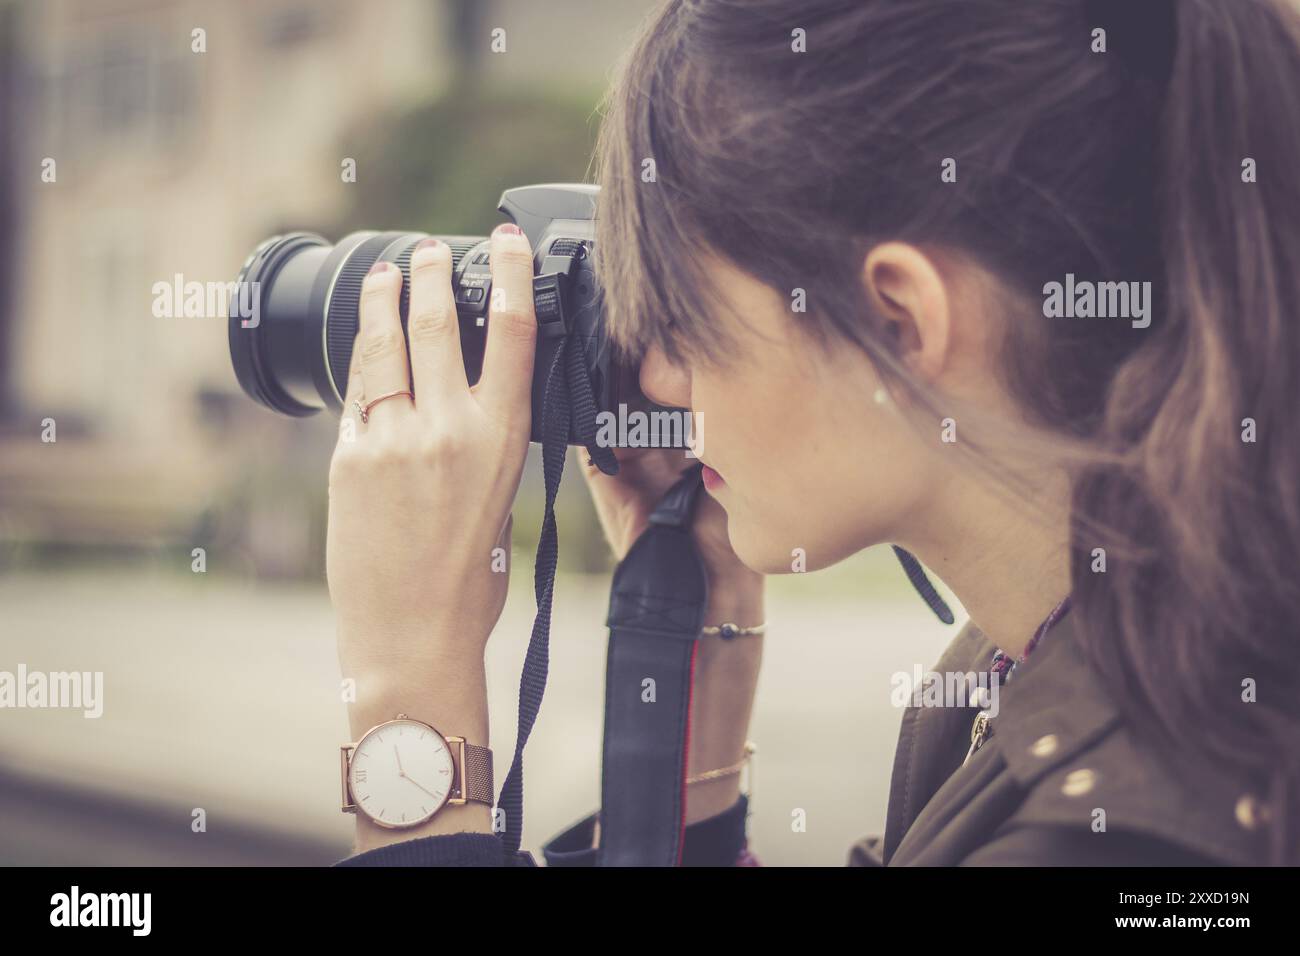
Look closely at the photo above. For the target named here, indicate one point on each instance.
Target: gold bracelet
(750, 750)
(728, 631)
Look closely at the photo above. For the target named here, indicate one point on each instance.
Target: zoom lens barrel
(295, 357)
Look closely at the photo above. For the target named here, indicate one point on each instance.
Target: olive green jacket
(1062, 780)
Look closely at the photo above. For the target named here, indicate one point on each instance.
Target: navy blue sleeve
(452, 849)
(717, 841)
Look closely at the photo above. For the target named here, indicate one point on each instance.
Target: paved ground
(205, 677)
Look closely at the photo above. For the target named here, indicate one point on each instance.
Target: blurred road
(224, 695)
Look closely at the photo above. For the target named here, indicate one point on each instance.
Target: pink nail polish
(380, 267)
(429, 243)
(507, 229)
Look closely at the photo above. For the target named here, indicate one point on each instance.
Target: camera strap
(656, 612)
(921, 582)
(569, 403)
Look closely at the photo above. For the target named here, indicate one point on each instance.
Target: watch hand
(418, 784)
(400, 771)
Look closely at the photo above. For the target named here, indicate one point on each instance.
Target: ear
(906, 287)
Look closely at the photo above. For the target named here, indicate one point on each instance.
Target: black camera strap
(916, 574)
(656, 612)
(569, 402)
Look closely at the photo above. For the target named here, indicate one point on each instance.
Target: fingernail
(429, 243)
(380, 267)
(507, 229)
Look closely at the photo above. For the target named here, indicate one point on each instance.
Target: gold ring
(363, 411)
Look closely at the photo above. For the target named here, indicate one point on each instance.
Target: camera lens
(294, 321)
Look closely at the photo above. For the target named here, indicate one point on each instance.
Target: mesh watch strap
(476, 774)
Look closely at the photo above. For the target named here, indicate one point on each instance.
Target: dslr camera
(304, 291)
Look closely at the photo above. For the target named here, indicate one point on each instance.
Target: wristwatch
(403, 771)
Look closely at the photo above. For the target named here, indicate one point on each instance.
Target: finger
(663, 465)
(354, 391)
(624, 457)
(349, 420)
(437, 369)
(507, 380)
(382, 348)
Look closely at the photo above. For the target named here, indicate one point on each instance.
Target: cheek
(816, 469)
(796, 451)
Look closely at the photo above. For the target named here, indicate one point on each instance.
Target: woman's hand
(421, 495)
(726, 671)
(624, 502)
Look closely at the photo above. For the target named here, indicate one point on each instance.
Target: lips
(712, 480)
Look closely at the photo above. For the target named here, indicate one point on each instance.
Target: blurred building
(174, 161)
(173, 153)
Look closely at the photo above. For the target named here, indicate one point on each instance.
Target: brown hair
(1121, 166)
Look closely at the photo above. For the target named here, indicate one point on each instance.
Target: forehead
(756, 325)
(745, 305)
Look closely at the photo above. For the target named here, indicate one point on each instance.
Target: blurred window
(292, 26)
(127, 87)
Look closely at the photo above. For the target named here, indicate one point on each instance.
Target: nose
(663, 382)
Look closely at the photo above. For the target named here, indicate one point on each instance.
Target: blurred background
(127, 156)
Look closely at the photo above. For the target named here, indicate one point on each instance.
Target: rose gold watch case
(454, 796)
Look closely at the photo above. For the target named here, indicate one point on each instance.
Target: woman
(1012, 286)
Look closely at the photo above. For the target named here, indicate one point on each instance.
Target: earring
(881, 397)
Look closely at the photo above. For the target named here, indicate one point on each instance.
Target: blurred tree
(442, 166)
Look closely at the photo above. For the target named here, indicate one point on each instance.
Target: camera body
(295, 358)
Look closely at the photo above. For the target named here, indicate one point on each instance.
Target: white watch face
(400, 773)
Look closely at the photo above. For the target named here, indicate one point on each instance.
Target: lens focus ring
(341, 316)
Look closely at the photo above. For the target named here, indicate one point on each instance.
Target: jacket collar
(1071, 747)
(1070, 752)
(1053, 707)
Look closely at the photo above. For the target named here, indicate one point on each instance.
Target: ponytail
(1198, 627)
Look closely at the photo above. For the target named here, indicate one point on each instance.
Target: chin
(764, 561)
(772, 546)
(764, 552)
